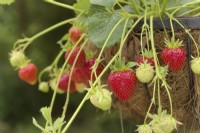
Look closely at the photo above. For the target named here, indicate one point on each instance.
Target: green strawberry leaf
(6, 2)
(131, 64)
(82, 4)
(100, 24)
(105, 3)
(46, 112)
(58, 123)
(37, 125)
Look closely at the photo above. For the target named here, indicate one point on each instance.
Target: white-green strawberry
(195, 65)
(168, 124)
(101, 98)
(17, 59)
(145, 72)
(144, 129)
(44, 87)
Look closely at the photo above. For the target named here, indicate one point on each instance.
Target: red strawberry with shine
(28, 73)
(88, 68)
(63, 83)
(78, 75)
(174, 56)
(147, 57)
(123, 84)
(140, 60)
(80, 60)
(74, 34)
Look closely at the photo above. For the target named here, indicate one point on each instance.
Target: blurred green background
(19, 102)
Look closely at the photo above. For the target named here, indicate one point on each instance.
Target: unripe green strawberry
(168, 124)
(144, 129)
(163, 122)
(145, 72)
(101, 98)
(44, 87)
(195, 65)
(17, 59)
(156, 128)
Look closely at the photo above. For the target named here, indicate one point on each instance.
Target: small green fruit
(144, 129)
(101, 98)
(44, 87)
(195, 65)
(168, 124)
(145, 73)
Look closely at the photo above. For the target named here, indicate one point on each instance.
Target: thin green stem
(63, 5)
(109, 36)
(62, 70)
(121, 7)
(195, 43)
(172, 28)
(70, 78)
(159, 99)
(135, 6)
(46, 31)
(125, 2)
(153, 45)
(152, 101)
(123, 35)
(190, 11)
(169, 95)
(185, 5)
(121, 119)
(164, 7)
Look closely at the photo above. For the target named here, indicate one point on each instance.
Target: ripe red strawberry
(74, 34)
(63, 83)
(122, 81)
(87, 69)
(28, 73)
(147, 56)
(123, 84)
(173, 55)
(80, 60)
(78, 75)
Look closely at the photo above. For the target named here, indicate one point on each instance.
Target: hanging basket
(185, 86)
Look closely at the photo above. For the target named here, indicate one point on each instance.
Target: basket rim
(188, 22)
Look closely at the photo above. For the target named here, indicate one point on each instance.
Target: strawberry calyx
(147, 54)
(90, 54)
(120, 65)
(18, 59)
(163, 71)
(173, 44)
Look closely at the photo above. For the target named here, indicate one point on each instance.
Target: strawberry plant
(106, 24)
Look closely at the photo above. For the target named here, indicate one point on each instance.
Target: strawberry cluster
(26, 71)
(122, 79)
(80, 67)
